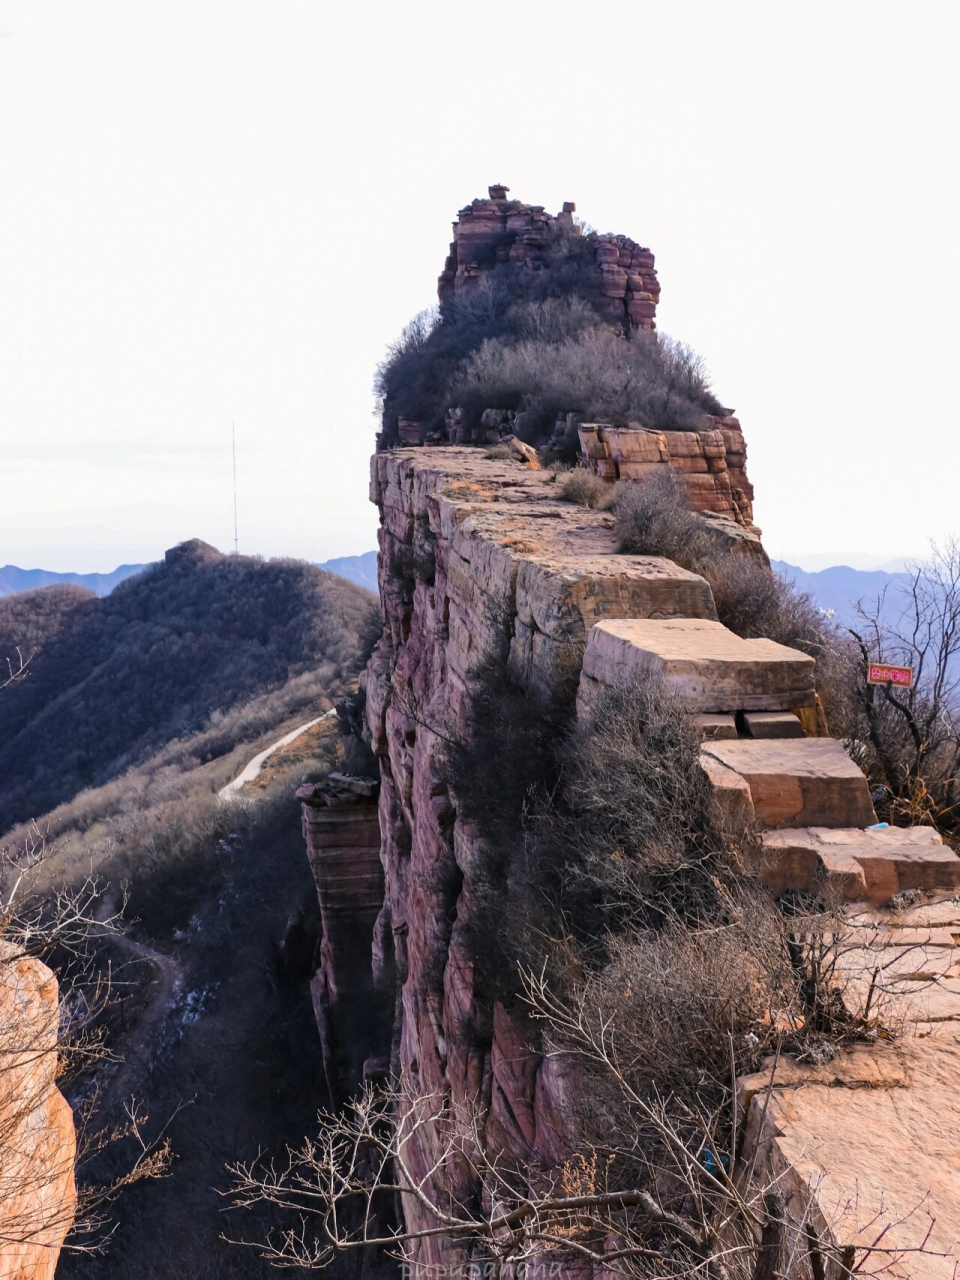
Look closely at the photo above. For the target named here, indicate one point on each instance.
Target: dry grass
(586, 489)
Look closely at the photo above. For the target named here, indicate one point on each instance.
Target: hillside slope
(114, 680)
(360, 569)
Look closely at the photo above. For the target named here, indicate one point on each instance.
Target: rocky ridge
(479, 556)
(544, 252)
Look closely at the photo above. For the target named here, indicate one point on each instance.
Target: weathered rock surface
(342, 831)
(772, 724)
(864, 1146)
(810, 782)
(37, 1139)
(547, 254)
(701, 661)
(861, 864)
(480, 559)
(711, 462)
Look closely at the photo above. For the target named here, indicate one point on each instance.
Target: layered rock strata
(547, 254)
(480, 559)
(37, 1138)
(711, 462)
(342, 832)
(863, 1146)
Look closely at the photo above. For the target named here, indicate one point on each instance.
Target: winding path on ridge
(252, 769)
(139, 1046)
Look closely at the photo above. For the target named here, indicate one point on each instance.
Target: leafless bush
(599, 372)
(547, 355)
(501, 453)
(912, 736)
(654, 519)
(586, 489)
(651, 1188)
(46, 1036)
(642, 815)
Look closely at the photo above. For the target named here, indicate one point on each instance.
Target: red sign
(881, 673)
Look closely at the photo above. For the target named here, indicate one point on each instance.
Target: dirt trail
(253, 767)
(138, 1047)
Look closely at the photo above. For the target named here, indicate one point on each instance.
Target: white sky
(225, 211)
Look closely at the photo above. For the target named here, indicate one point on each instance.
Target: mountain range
(360, 570)
(837, 588)
(840, 588)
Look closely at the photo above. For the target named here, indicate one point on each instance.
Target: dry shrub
(586, 489)
(598, 372)
(654, 519)
(545, 356)
(678, 993)
(501, 453)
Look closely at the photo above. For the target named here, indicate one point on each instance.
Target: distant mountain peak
(193, 551)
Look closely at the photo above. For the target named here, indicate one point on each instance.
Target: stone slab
(873, 865)
(701, 660)
(867, 1144)
(799, 783)
(772, 724)
(715, 725)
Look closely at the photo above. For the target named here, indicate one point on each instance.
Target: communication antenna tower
(233, 433)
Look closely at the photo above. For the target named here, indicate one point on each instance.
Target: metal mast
(233, 432)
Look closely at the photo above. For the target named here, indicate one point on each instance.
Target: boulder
(799, 782)
(860, 864)
(702, 661)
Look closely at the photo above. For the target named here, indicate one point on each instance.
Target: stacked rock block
(809, 800)
(711, 462)
(342, 831)
(614, 273)
(480, 557)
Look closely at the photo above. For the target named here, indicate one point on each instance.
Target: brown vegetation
(656, 969)
(114, 680)
(549, 356)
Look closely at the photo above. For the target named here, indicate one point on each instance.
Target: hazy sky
(217, 212)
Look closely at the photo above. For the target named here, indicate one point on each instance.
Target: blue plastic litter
(710, 1161)
(878, 826)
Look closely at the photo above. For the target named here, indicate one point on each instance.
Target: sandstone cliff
(481, 560)
(37, 1141)
(482, 531)
(539, 249)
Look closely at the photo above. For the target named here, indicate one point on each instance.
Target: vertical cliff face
(342, 833)
(37, 1139)
(477, 558)
(482, 562)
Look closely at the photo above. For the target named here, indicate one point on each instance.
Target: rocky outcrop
(547, 255)
(711, 461)
(342, 833)
(863, 1146)
(479, 559)
(37, 1139)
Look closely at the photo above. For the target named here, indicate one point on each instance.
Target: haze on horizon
(223, 213)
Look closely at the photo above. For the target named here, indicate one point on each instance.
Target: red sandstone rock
(711, 462)
(37, 1192)
(342, 831)
(505, 564)
(497, 232)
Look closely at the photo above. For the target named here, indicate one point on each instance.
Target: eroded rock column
(342, 831)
